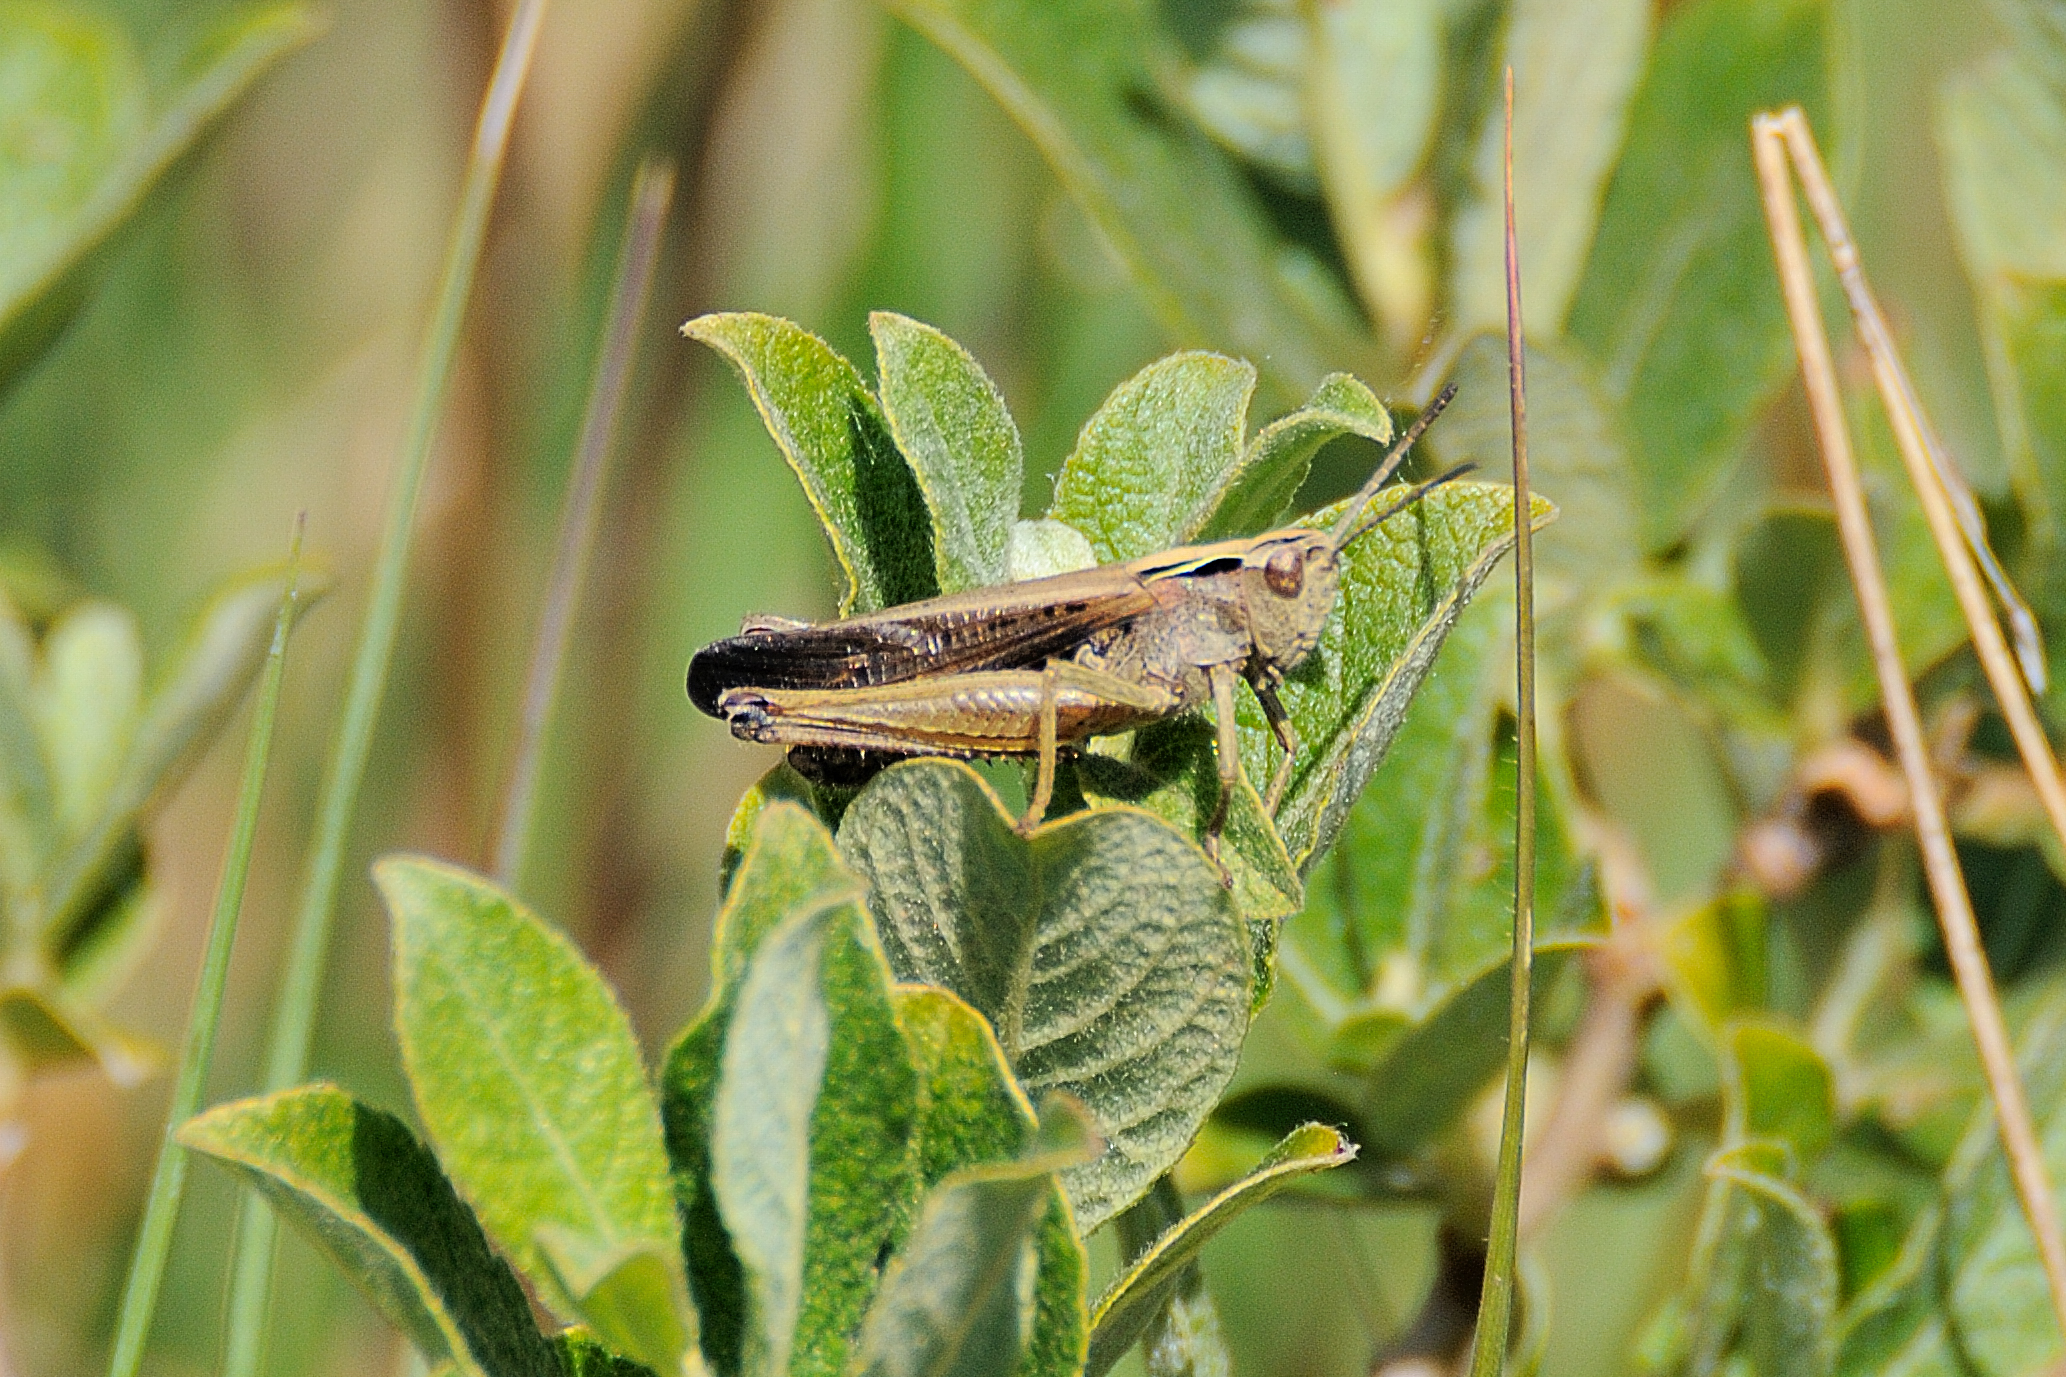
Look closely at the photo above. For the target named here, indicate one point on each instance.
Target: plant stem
(168, 1180)
(301, 985)
(1496, 1300)
(1904, 722)
(652, 190)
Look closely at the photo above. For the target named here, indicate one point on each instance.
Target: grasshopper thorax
(1288, 583)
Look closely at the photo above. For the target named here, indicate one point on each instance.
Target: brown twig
(1769, 142)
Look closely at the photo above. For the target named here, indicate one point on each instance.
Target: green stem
(1496, 1301)
(168, 1181)
(301, 985)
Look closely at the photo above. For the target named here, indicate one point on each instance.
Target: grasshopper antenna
(1407, 497)
(1394, 456)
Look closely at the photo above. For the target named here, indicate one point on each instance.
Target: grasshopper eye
(1286, 573)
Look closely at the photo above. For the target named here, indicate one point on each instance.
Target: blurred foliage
(1068, 190)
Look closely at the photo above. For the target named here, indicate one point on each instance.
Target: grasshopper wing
(1013, 626)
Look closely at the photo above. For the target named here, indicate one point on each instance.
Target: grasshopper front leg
(1228, 750)
(1265, 682)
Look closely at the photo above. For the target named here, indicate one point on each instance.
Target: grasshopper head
(1288, 580)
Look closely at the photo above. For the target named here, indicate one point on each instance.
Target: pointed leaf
(633, 1295)
(527, 1075)
(358, 1183)
(960, 1298)
(77, 90)
(1142, 1291)
(1103, 950)
(834, 437)
(1679, 306)
(950, 421)
(1151, 462)
(809, 1133)
(786, 864)
(972, 1112)
(1402, 587)
(1188, 230)
(1277, 460)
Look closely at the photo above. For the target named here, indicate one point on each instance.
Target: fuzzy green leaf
(1402, 588)
(364, 1189)
(1277, 459)
(1787, 1288)
(950, 421)
(1679, 305)
(961, 1297)
(809, 1134)
(1778, 1088)
(527, 1075)
(87, 140)
(833, 435)
(971, 1112)
(1190, 233)
(1144, 1289)
(1149, 467)
(761, 1297)
(1103, 950)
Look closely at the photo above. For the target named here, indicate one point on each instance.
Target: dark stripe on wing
(944, 637)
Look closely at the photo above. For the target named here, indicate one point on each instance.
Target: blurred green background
(251, 351)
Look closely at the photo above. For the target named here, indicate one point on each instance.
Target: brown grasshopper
(1026, 668)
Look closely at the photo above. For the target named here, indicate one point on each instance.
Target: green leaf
(833, 435)
(2031, 321)
(2038, 30)
(950, 421)
(1043, 547)
(1275, 463)
(960, 1298)
(1171, 769)
(1373, 91)
(1248, 91)
(1190, 233)
(1578, 460)
(27, 810)
(1144, 1289)
(633, 1295)
(971, 1112)
(1786, 1291)
(88, 698)
(1103, 949)
(1777, 1088)
(785, 864)
(2002, 132)
(527, 1075)
(1679, 305)
(581, 1356)
(86, 141)
(359, 1184)
(809, 1134)
(184, 712)
(1576, 64)
(1992, 1283)
(1151, 462)
(1402, 588)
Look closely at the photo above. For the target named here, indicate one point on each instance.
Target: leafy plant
(90, 750)
(851, 1174)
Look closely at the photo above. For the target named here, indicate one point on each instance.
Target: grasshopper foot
(1211, 843)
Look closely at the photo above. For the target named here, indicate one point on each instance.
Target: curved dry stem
(1771, 141)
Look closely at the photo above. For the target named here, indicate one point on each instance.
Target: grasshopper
(1025, 669)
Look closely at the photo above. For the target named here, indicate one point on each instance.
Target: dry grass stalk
(1773, 137)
